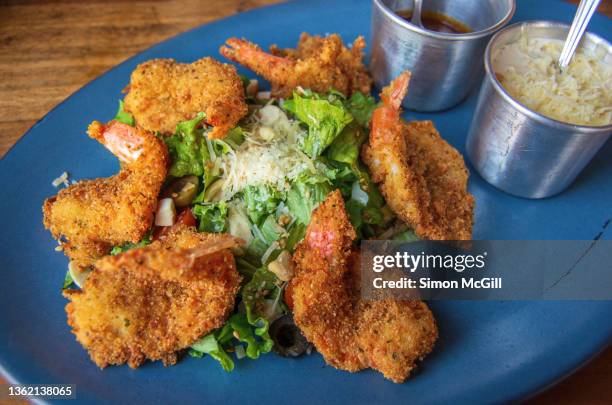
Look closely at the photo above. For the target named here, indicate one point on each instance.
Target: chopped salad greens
(68, 281)
(127, 246)
(124, 116)
(261, 183)
(324, 115)
(188, 148)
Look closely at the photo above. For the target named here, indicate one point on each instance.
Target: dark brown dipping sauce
(439, 22)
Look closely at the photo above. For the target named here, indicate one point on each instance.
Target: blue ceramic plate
(493, 351)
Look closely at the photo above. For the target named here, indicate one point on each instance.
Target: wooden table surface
(49, 49)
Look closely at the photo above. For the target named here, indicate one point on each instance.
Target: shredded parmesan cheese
(62, 179)
(270, 157)
(580, 95)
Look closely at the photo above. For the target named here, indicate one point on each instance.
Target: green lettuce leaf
(375, 198)
(187, 148)
(296, 234)
(325, 118)
(255, 334)
(237, 328)
(250, 327)
(253, 299)
(347, 146)
(210, 345)
(265, 235)
(361, 107)
(212, 217)
(366, 201)
(341, 175)
(245, 267)
(124, 116)
(354, 210)
(256, 250)
(407, 236)
(127, 246)
(261, 201)
(271, 230)
(306, 192)
(234, 137)
(67, 280)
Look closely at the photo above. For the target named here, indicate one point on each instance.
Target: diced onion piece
(240, 353)
(282, 266)
(166, 212)
(239, 224)
(78, 275)
(358, 194)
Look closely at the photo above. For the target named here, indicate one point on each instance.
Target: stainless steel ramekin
(518, 150)
(444, 67)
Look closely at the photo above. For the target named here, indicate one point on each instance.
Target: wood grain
(49, 49)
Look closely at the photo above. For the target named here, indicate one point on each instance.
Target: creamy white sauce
(581, 94)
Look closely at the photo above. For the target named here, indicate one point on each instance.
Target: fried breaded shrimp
(91, 216)
(319, 64)
(163, 92)
(150, 302)
(421, 176)
(352, 334)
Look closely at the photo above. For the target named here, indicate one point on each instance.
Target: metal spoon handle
(417, 6)
(585, 11)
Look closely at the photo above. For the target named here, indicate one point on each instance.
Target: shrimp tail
(120, 139)
(273, 68)
(386, 122)
(394, 93)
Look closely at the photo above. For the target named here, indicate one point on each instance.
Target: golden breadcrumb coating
(91, 216)
(163, 92)
(421, 176)
(318, 63)
(352, 334)
(150, 302)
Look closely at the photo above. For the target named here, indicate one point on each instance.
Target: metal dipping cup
(444, 66)
(518, 150)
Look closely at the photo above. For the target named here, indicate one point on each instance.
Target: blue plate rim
(590, 353)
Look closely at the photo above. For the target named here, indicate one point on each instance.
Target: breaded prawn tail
(352, 334)
(320, 64)
(163, 92)
(150, 302)
(91, 216)
(421, 176)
